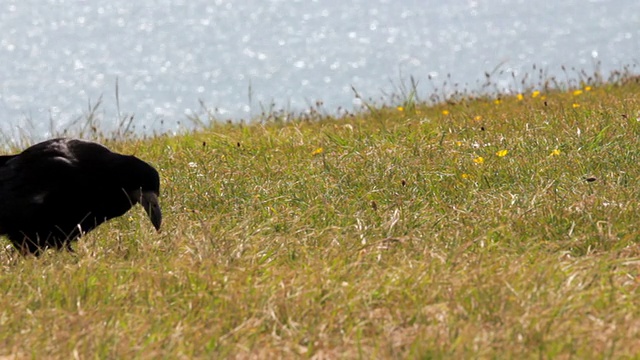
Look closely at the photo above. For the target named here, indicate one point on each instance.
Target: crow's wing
(28, 180)
(5, 158)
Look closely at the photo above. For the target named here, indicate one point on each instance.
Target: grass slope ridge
(480, 228)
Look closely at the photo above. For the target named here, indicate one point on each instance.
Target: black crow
(59, 189)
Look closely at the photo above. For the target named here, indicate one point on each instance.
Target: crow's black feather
(59, 189)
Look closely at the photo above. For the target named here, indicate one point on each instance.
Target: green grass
(376, 235)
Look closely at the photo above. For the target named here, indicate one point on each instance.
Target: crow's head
(142, 184)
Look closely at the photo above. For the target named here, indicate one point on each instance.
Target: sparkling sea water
(172, 59)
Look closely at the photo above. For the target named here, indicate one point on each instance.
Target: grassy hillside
(482, 228)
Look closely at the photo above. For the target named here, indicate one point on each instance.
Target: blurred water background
(172, 60)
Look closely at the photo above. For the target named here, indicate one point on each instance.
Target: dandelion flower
(587, 88)
(478, 160)
(317, 151)
(502, 153)
(497, 101)
(535, 94)
(575, 105)
(445, 112)
(555, 152)
(465, 176)
(400, 108)
(520, 97)
(577, 92)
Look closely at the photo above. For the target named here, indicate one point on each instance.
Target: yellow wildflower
(577, 92)
(502, 153)
(478, 160)
(477, 118)
(458, 143)
(400, 108)
(555, 152)
(520, 97)
(535, 94)
(587, 88)
(465, 176)
(497, 101)
(445, 112)
(575, 105)
(317, 151)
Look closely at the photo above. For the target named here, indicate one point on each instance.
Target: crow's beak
(149, 201)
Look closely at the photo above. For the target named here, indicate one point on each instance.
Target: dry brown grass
(390, 242)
